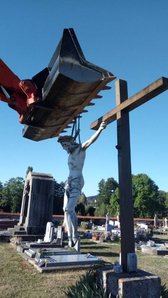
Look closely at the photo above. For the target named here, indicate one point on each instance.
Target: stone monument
(37, 203)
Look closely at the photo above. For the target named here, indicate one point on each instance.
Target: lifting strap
(76, 129)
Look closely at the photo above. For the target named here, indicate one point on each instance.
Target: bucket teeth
(98, 96)
(91, 104)
(106, 87)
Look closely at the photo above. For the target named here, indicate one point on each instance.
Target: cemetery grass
(19, 279)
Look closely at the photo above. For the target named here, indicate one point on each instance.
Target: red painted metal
(19, 94)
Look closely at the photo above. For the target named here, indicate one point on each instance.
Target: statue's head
(68, 143)
(65, 139)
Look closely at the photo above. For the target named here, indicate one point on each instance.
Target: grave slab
(52, 259)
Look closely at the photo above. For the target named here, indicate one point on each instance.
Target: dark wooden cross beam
(121, 114)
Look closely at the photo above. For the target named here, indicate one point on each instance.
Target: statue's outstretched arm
(94, 137)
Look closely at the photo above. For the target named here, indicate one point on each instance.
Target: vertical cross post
(121, 114)
(125, 179)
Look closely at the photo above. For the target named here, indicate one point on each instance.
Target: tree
(58, 198)
(12, 195)
(1, 188)
(82, 202)
(148, 200)
(83, 199)
(146, 196)
(166, 203)
(114, 207)
(90, 210)
(106, 188)
(163, 199)
(80, 209)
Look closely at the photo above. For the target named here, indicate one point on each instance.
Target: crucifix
(121, 114)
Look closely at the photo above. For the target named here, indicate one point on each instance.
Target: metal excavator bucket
(66, 87)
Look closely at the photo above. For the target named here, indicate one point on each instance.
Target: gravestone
(37, 203)
(49, 234)
(155, 221)
(165, 224)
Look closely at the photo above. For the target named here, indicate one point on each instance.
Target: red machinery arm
(19, 94)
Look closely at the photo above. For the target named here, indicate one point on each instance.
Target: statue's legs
(71, 195)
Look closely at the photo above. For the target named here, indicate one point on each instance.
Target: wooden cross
(121, 114)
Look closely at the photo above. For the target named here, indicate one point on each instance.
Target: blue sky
(128, 38)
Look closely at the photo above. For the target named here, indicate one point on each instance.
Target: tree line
(148, 200)
(11, 193)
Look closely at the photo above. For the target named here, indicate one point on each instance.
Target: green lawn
(19, 279)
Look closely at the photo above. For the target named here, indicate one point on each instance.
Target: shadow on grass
(98, 250)
(157, 240)
(104, 253)
(164, 291)
(87, 242)
(94, 246)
